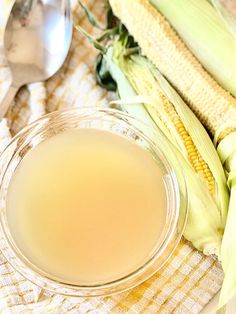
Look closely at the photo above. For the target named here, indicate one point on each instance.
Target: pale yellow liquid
(87, 206)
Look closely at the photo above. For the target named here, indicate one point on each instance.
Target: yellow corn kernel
(147, 86)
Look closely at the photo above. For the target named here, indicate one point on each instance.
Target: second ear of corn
(193, 149)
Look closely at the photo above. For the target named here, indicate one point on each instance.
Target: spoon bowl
(36, 42)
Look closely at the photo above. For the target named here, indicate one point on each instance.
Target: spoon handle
(7, 100)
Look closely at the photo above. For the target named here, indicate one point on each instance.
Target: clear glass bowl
(117, 122)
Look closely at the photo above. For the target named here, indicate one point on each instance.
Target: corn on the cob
(208, 195)
(206, 35)
(145, 84)
(159, 42)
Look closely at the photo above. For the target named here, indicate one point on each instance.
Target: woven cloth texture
(184, 285)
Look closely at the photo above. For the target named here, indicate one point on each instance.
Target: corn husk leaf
(206, 34)
(227, 18)
(227, 153)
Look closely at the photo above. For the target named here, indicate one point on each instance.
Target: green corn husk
(227, 153)
(227, 18)
(206, 34)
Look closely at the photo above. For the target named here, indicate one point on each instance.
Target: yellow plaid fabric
(184, 285)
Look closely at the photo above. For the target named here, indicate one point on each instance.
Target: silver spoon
(36, 42)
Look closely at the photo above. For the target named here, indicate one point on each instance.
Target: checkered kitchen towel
(184, 285)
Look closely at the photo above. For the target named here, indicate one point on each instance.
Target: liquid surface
(87, 206)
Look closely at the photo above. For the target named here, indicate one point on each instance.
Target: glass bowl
(113, 121)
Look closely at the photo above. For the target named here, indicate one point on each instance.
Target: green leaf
(131, 51)
(92, 19)
(103, 75)
(107, 33)
(91, 39)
